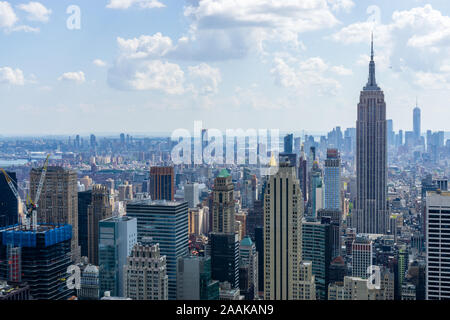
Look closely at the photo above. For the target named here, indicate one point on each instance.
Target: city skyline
(244, 165)
(146, 74)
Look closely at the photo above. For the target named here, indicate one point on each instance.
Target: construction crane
(30, 206)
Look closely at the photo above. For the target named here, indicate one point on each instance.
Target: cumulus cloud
(7, 15)
(230, 29)
(77, 77)
(99, 63)
(206, 78)
(125, 4)
(414, 43)
(312, 75)
(155, 46)
(36, 11)
(341, 5)
(12, 76)
(147, 75)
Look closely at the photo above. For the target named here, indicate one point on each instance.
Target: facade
(223, 204)
(58, 203)
(334, 218)
(145, 274)
(317, 248)
(194, 279)
(99, 209)
(225, 258)
(118, 235)
(332, 180)
(84, 200)
(90, 283)
(249, 259)
(14, 291)
(416, 123)
(438, 246)
(8, 202)
(371, 159)
(353, 288)
(316, 189)
(283, 212)
(307, 282)
(162, 183)
(191, 194)
(40, 258)
(166, 222)
(361, 257)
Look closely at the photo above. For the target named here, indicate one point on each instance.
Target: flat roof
(149, 202)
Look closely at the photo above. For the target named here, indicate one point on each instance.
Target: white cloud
(36, 11)
(344, 5)
(206, 78)
(99, 63)
(147, 75)
(125, 4)
(310, 76)
(77, 77)
(341, 71)
(7, 15)
(12, 76)
(155, 46)
(414, 44)
(230, 29)
(23, 28)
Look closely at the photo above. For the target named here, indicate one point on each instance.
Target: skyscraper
(223, 204)
(332, 179)
(361, 256)
(191, 194)
(317, 247)
(371, 159)
(416, 123)
(118, 235)
(225, 258)
(288, 143)
(58, 203)
(249, 259)
(438, 243)
(84, 200)
(39, 257)
(283, 212)
(145, 274)
(8, 202)
(98, 210)
(194, 279)
(162, 183)
(166, 223)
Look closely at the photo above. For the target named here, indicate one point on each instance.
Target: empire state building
(371, 159)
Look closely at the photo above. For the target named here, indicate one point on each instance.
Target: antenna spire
(371, 83)
(371, 52)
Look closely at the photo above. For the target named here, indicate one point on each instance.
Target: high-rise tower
(371, 158)
(416, 123)
(223, 203)
(283, 213)
(59, 200)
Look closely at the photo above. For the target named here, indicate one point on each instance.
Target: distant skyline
(152, 66)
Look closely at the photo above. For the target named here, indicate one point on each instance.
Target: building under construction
(39, 257)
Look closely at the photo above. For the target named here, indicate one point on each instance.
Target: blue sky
(143, 66)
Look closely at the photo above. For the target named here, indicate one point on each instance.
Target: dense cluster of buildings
(362, 214)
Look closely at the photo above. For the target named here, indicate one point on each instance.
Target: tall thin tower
(416, 123)
(371, 158)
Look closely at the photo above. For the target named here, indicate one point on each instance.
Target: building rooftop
(246, 242)
(18, 235)
(149, 202)
(223, 173)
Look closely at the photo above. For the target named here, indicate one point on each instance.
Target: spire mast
(371, 52)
